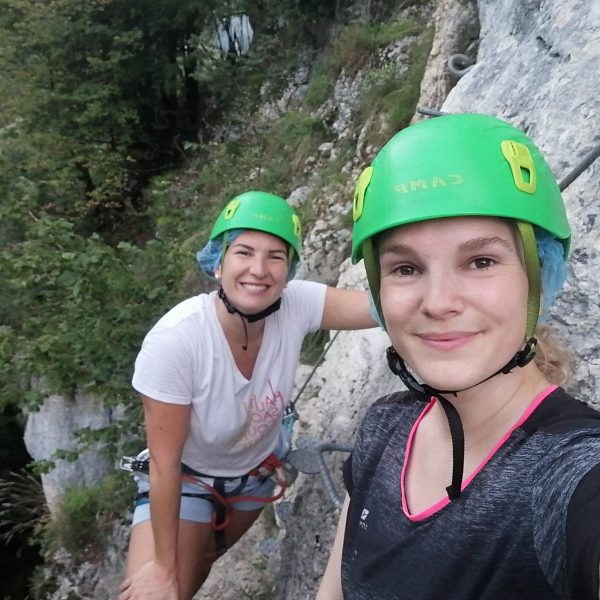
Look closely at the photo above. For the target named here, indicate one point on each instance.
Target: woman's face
(254, 270)
(454, 297)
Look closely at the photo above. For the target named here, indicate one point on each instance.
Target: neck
(234, 328)
(490, 409)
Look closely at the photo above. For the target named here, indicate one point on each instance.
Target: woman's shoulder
(397, 402)
(561, 414)
(565, 441)
(184, 326)
(191, 308)
(303, 287)
(302, 302)
(387, 412)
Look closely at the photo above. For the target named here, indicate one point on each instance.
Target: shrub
(86, 516)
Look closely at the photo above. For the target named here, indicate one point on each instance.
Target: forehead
(450, 230)
(260, 239)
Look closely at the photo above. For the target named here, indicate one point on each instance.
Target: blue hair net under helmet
(211, 255)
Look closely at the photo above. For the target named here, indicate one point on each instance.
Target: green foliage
(352, 50)
(358, 42)
(23, 509)
(389, 97)
(320, 87)
(86, 516)
(74, 310)
(291, 140)
(104, 87)
(313, 346)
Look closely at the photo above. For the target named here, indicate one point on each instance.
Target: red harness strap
(270, 465)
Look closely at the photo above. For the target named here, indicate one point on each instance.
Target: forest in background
(123, 130)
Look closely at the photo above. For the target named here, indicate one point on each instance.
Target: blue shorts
(200, 510)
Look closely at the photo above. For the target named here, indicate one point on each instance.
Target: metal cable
(317, 364)
(579, 169)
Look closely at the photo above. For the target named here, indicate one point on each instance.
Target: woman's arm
(346, 309)
(331, 584)
(167, 427)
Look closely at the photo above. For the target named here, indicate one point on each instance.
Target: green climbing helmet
(261, 211)
(455, 166)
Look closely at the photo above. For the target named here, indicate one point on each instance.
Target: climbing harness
(308, 460)
(215, 489)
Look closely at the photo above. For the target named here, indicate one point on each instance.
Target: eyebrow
(484, 242)
(253, 249)
(474, 244)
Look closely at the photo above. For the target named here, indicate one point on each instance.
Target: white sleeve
(305, 300)
(164, 366)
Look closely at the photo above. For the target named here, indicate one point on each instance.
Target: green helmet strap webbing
(532, 266)
(373, 274)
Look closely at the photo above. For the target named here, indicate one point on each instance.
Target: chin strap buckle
(523, 357)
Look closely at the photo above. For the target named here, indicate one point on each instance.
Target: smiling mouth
(255, 287)
(447, 341)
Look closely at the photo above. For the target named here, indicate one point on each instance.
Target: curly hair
(552, 357)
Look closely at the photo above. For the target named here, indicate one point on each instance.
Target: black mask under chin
(457, 434)
(246, 317)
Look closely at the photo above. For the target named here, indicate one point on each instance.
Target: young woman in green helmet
(482, 481)
(215, 375)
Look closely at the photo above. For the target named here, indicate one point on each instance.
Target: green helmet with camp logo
(261, 211)
(455, 166)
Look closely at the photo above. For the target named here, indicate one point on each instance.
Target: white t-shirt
(235, 422)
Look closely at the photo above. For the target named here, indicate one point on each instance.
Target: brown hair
(552, 357)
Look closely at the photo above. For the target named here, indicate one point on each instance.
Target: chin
(252, 308)
(450, 377)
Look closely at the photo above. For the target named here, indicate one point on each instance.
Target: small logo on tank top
(363, 517)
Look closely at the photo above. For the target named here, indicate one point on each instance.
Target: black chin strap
(457, 434)
(245, 317)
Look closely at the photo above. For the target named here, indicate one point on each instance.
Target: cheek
(396, 305)
(508, 307)
(282, 269)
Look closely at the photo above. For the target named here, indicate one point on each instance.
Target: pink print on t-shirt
(262, 416)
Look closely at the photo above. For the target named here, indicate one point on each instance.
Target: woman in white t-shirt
(215, 375)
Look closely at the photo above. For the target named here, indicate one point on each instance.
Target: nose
(258, 266)
(442, 294)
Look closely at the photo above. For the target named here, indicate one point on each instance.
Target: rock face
(51, 428)
(456, 32)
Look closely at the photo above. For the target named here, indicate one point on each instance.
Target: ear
(218, 273)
